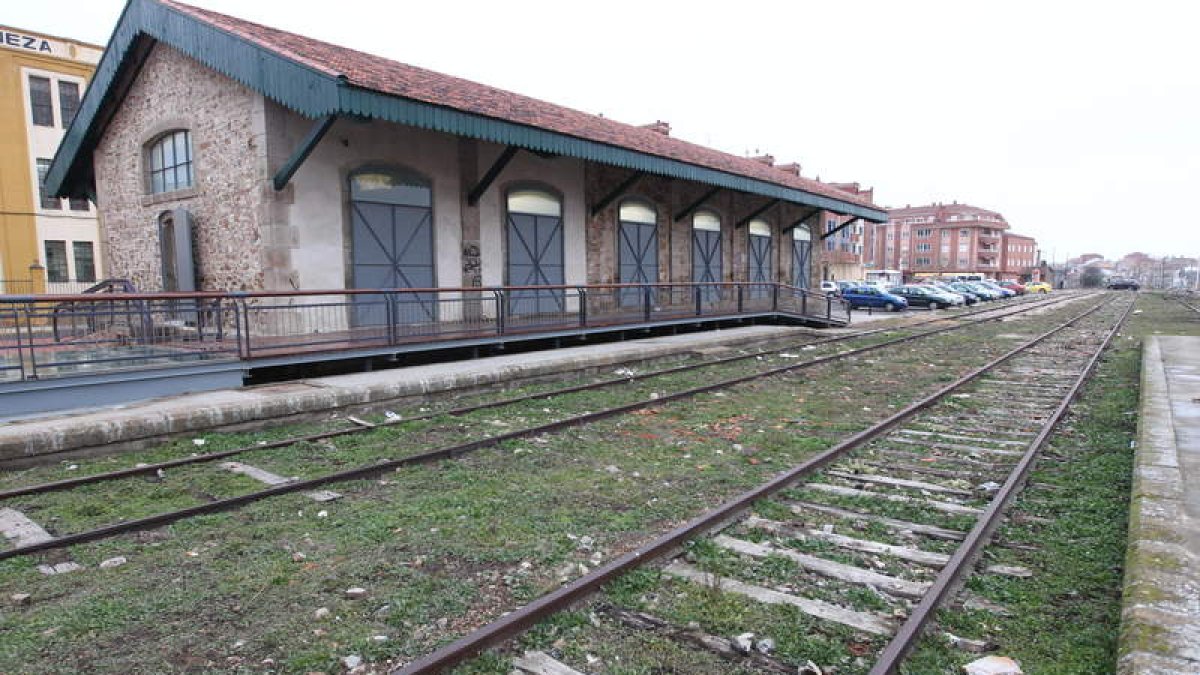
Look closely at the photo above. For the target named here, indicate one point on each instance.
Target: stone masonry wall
(226, 123)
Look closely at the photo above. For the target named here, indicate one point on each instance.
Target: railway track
(864, 541)
(363, 427)
(281, 485)
(1188, 305)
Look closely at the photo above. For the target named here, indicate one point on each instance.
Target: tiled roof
(390, 77)
(930, 209)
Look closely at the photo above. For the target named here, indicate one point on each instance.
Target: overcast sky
(1079, 121)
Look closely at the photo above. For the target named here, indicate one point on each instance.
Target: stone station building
(296, 164)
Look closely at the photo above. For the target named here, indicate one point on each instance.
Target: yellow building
(46, 244)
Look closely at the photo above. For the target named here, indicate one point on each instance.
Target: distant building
(950, 239)
(1085, 259)
(843, 254)
(46, 243)
(1018, 256)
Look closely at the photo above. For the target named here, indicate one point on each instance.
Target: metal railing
(29, 286)
(47, 336)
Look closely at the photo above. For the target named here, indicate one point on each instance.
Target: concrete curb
(145, 423)
(1160, 614)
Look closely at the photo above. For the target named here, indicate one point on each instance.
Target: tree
(1092, 277)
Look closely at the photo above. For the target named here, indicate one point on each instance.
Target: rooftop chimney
(659, 127)
(769, 160)
(793, 168)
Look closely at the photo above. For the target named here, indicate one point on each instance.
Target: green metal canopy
(316, 92)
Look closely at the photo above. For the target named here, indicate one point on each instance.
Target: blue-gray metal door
(760, 265)
(801, 262)
(391, 239)
(637, 258)
(535, 258)
(706, 261)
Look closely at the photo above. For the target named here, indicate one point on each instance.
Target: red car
(1012, 286)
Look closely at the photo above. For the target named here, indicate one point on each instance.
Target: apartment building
(46, 243)
(949, 239)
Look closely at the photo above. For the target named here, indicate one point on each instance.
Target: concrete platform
(142, 424)
(1160, 616)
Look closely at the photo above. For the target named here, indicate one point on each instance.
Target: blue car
(866, 296)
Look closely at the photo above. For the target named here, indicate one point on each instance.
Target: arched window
(534, 203)
(707, 221)
(170, 162)
(637, 212)
(390, 186)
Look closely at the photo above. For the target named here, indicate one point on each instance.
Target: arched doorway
(534, 242)
(391, 244)
(637, 248)
(706, 252)
(759, 260)
(801, 256)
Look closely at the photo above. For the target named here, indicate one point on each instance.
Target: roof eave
(373, 104)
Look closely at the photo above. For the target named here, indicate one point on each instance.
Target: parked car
(829, 287)
(1118, 284)
(993, 286)
(973, 295)
(1019, 289)
(1037, 287)
(923, 296)
(945, 289)
(983, 291)
(868, 296)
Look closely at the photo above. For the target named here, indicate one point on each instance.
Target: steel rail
(516, 622)
(1181, 301)
(69, 483)
(962, 561)
(448, 452)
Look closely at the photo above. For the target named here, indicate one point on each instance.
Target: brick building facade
(950, 239)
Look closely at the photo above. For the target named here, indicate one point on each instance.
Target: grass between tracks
(1065, 619)
(441, 548)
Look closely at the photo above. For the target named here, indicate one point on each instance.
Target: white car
(829, 287)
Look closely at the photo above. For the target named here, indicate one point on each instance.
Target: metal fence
(46, 336)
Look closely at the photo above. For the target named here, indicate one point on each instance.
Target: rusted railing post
(583, 298)
(29, 310)
(241, 322)
(501, 309)
(391, 316)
